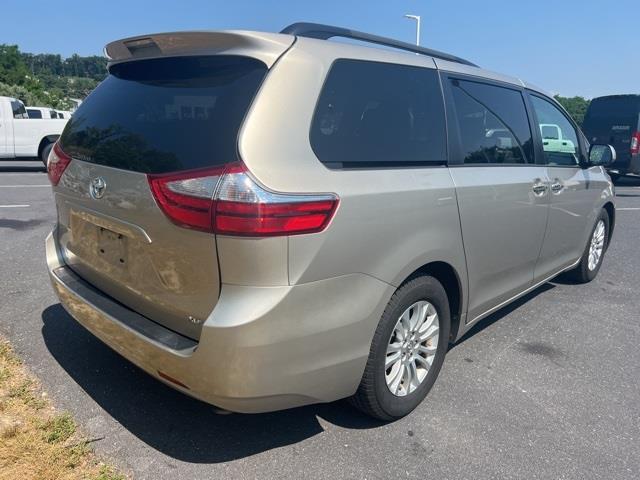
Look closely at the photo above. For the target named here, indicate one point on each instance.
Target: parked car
(21, 136)
(266, 220)
(554, 143)
(41, 112)
(615, 119)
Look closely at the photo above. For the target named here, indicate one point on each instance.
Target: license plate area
(112, 247)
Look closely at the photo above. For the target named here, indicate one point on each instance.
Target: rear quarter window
(372, 114)
(167, 114)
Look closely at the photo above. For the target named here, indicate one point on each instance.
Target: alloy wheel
(596, 247)
(412, 348)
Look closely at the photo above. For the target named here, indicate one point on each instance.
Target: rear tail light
(635, 143)
(57, 163)
(228, 201)
(187, 198)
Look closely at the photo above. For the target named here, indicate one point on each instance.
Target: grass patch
(58, 428)
(36, 442)
(26, 392)
(7, 354)
(107, 473)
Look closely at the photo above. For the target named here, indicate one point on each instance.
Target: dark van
(615, 120)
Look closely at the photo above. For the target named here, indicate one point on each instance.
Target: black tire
(582, 273)
(44, 154)
(373, 396)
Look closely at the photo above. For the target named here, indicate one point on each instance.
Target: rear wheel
(593, 254)
(407, 350)
(44, 154)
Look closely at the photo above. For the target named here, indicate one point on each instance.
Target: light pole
(417, 19)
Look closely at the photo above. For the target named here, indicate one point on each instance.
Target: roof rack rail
(325, 32)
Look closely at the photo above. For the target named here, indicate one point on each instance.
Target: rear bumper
(261, 349)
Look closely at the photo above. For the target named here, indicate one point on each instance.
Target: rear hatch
(150, 117)
(613, 120)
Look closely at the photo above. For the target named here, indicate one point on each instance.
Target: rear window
(34, 113)
(163, 115)
(373, 114)
(614, 107)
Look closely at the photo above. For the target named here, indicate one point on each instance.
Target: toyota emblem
(97, 187)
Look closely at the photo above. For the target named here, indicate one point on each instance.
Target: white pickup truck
(22, 137)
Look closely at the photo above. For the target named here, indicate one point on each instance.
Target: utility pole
(417, 19)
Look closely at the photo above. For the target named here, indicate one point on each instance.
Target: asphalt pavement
(547, 388)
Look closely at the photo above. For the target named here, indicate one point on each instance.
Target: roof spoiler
(266, 47)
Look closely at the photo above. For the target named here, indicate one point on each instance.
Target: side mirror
(601, 155)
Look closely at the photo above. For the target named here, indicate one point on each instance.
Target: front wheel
(593, 254)
(407, 350)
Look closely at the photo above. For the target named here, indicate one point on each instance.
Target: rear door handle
(539, 189)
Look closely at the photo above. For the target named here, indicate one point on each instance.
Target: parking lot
(545, 388)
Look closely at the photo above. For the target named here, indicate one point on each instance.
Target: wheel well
(449, 279)
(46, 141)
(611, 211)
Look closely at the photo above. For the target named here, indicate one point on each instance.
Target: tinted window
(165, 114)
(53, 114)
(559, 138)
(379, 114)
(493, 124)
(611, 107)
(34, 113)
(18, 109)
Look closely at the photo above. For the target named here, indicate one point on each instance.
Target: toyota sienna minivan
(263, 221)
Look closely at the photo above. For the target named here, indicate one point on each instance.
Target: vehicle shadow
(20, 225)
(627, 181)
(503, 312)
(22, 166)
(172, 423)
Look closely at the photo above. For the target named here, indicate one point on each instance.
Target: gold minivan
(267, 220)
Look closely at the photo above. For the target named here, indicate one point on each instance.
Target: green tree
(13, 70)
(576, 106)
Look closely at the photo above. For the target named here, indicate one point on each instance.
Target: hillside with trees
(48, 80)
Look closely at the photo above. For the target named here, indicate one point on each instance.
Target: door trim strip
(521, 294)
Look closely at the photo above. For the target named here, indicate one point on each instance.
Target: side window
(379, 114)
(493, 124)
(34, 113)
(559, 138)
(18, 109)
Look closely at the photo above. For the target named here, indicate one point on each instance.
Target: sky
(569, 47)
